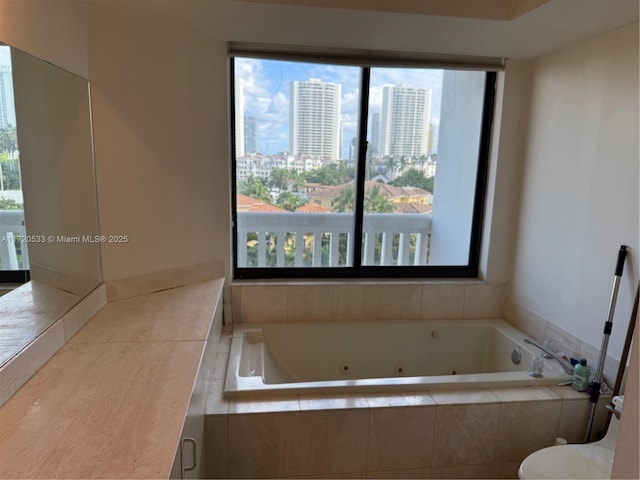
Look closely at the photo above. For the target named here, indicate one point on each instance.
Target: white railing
(266, 239)
(12, 231)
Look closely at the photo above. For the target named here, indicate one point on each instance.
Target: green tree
(331, 174)
(281, 178)
(255, 188)
(414, 178)
(9, 173)
(374, 201)
(289, 201)
(390, 165)
(9, 204)
(8, 139)
(344, 201)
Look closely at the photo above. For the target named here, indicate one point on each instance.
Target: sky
(266, 95)
(5, 56)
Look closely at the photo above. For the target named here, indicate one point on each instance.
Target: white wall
(53, 30)
(580, 188)
(454, 191)
(159, 98)
(160, 106)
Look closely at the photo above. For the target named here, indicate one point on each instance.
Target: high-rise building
(375, 134)
(314, 119)
(250, 134)
(7, 102)
(239, 114)
(405, 120)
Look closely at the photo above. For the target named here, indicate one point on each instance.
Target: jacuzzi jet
(345, 368)
(399, 370)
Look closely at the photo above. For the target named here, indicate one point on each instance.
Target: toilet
(590, 460)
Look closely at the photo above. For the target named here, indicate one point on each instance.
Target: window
(14, 259)
(344, 170)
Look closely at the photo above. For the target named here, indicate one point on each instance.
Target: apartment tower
(405, 121)
(314, 123)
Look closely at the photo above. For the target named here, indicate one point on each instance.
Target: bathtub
(380, 356)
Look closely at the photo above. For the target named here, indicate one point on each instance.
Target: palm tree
(255, 188)
(344, 201)
(376, 202)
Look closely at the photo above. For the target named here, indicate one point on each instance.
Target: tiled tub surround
(111, 403)
(325, 301)
(364, 300)
(540, 329)
(480, 433)
(380, 356)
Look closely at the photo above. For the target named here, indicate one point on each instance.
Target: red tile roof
(312, 208)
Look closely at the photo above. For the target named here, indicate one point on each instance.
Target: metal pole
(597, 382)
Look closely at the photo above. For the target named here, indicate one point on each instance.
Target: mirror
(55, 236)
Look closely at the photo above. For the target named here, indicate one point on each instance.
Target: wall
(54, 30)
(580, 193)
(454, 192)
(160, 120)
(160, 116)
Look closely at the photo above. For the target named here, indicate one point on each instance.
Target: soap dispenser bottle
(581, 375)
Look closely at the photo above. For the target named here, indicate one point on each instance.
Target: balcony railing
(13, 247)
(298, 239)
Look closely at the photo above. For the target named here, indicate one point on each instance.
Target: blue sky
(5, 55)
(266, 94)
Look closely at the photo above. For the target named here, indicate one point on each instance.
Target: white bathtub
(380, 356)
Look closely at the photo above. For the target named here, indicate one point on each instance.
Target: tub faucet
(566, 366)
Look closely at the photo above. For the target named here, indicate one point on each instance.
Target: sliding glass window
(357, 171)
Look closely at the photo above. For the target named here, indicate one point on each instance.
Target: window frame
(371, 59)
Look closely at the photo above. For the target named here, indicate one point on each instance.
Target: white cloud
(266, 94)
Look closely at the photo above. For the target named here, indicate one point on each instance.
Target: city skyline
(266, 85)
